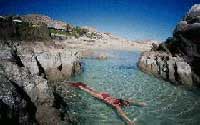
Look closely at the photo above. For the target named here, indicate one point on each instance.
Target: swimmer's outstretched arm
(136, 103)
(123, 115)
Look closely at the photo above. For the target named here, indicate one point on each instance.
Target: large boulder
(26, 95)
(52, 65)
(28, 98)
(16, 106)
(170, 68)
(181, 50)
(193, 15)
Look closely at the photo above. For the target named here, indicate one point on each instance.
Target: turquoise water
(119, 75)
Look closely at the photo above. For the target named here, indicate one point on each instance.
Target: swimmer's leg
(124, 116)
(137, 103)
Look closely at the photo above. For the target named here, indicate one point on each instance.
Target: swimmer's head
(124, 102)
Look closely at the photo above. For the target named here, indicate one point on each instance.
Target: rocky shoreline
(36, 55)
(177, 60)
(168, 67)
(26, 89)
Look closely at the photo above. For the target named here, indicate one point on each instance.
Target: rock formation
(27, 67)
(178, 59)
(26, 71)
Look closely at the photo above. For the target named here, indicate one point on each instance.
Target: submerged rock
(102, 56)
(178, 59)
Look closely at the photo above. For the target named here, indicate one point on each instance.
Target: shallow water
(119, 75)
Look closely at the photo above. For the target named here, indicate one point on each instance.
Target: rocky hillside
(178, 59)
(34, 27)
(41, 19)
(37, 27)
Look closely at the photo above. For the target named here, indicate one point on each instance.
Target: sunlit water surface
(120, 76)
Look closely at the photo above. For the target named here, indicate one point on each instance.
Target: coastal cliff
(177, 59)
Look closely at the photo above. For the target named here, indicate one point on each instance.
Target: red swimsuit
(116, 102)
(105, 95)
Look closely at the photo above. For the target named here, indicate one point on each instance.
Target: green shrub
(27, 31)
(77, 31)
(55, 31)
(10, 30)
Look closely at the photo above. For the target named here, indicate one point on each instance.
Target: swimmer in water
(107, 98)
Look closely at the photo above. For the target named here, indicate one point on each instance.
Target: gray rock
(26, 96)
(16, 106)
(178, 59)
(163, 65)
(35, 86)
(194, 11)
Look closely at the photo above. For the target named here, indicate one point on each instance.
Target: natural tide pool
(120, 76)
